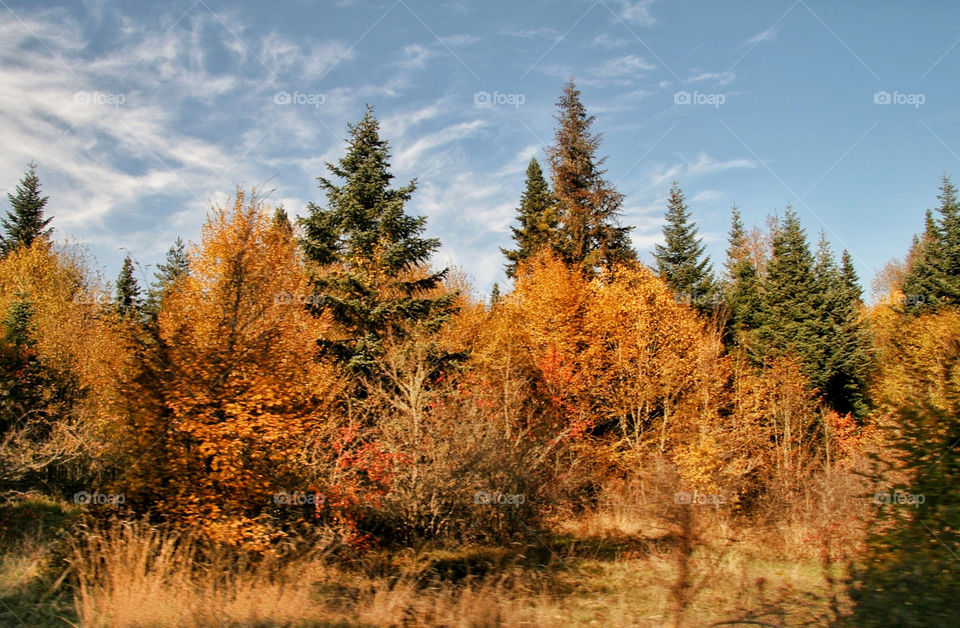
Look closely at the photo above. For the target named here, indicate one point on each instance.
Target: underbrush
(630, 558)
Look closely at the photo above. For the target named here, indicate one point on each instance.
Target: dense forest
(304, 422)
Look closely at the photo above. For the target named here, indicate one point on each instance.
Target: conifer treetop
(25, 222)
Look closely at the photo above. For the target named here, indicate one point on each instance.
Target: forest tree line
(326, 357)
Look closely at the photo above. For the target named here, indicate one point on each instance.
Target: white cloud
(763, 36)
(461, 40)
(637, 11)
(629, 65)
(716, 78)
(707, 196)
(536, 33)
(415, 56)
(608, 41)
(414, 154)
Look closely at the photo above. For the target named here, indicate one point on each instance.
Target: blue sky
(141, 114)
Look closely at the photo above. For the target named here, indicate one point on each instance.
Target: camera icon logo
(681, 98)
(282, 98)
(881, 98)
(482, 99)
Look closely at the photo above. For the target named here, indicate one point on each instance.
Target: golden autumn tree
(614, 363)
(225, 404)
(59, 352)
(912, 543)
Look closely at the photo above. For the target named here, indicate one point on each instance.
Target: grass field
(615, 565)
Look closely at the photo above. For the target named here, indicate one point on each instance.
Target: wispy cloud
(414, 154)
(610, 42)
(636, 11)
(763, 36)
(716, 78)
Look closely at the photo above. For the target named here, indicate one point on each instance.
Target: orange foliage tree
(60, 444)
(227, 401)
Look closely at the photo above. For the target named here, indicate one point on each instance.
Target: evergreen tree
(588, 206)
(177, 265)
(127, 299)
(537, 216)
(680, 261)
(743, 288)
(933, 276)
(282, 221)
(789, 320)
(374, 278)
(22, 378)
(828, 309)
(841, 358)
(846, 390)
(495, 295)
(25, 223)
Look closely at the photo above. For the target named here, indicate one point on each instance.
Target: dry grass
(623, 563)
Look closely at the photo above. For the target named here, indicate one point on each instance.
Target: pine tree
(588, 206)
(829, 295)
(537, 216)
(22, 377)
(176, 266)
(281, 221)
(933, 276)
(495, 295)
(846, 390)
(789, 321)
(127, 299)
(25, 223)
(374, 278)
(680, 261)
(742, 287)
(841, 355)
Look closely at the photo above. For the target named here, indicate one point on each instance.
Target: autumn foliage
(227, 404)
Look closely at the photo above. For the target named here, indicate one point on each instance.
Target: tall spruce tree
(829, 296)
(538, 219)
(933, 276)
(589, 233)
(681, 262)
(373, 276)
(25, 222)
(127, 299)
(176, 266)
(789, 321)
(851, 357)
(742, 288)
